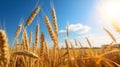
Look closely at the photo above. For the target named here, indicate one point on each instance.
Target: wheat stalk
(55, 22)
(76, 42)
(42, 42)
(30, 37)
(26, 45)
(17, 42)
(67, 30)
(80, 44)
(110, 34)
(37, 35)
(18, 31)
(4, 50)
(32, 16)
(90, 45)
(26, 53)
(52, 35)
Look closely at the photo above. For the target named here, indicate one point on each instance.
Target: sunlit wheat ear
(116, 26)
(26, 53)
(26, 39)
(32, 16)
(37, 35)
(67, 30)
(18, 31)
(17, 42)
(52, 35)
(55, 22)
(71, 45)
(46, 48)
(80, 44)
(76, 42)
(90, 45)
(110, 34)
(30, 37)
(42, 42)
(4, 50)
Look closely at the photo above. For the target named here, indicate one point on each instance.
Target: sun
(110, 9)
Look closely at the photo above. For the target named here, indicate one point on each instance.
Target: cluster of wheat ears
(24, 55)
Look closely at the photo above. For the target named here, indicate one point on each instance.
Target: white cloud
(78, 28)
(62, 31)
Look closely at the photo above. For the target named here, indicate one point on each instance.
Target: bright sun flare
(110, 9)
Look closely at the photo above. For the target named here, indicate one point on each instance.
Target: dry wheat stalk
(26, 53)
(46, 48)
(17, 43)
(18, 31)
(23, 41)
(67, 30)
(26, 45)
(32, 16)
(71, 45)
(76, 42)
(4, 50)
(42, 42)
(110, 34)
(30, 37)
(52, 35)
(80, 44)
(90, 45)
(55, 22)
(37, 35)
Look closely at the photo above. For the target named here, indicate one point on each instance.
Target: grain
(26, 45)
(4, 50)
(30, 37)
(18, 31)
(32, 16)
(67, 30)
(52, 35)
(55, 22)
(110, 34)
(80, 44)
(90, 45)
(37, 35)
(76, 42)
(26, 53)
(42, 43)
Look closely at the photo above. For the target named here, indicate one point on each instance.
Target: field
(21, 54)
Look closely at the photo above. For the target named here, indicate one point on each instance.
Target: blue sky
(78, 13)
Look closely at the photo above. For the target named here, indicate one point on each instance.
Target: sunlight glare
(110, 9)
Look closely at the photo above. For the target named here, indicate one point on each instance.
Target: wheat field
(21, 54)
